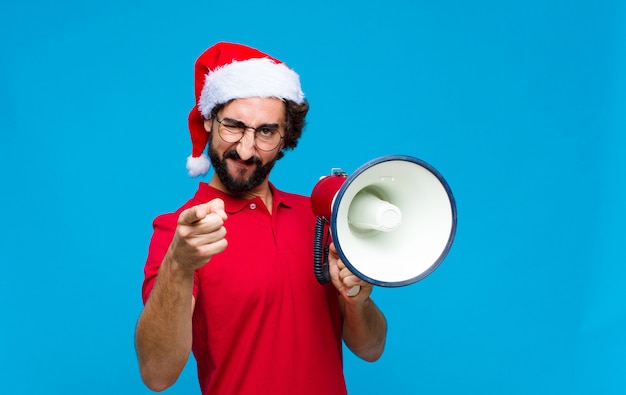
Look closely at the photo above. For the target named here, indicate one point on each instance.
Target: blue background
(520, 105)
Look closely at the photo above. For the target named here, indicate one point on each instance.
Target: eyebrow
(241, 123)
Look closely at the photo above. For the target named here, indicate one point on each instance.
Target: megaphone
(392, 221)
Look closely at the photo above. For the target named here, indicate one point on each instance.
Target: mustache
(232, 154)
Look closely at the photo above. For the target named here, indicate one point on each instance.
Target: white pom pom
(198, 166)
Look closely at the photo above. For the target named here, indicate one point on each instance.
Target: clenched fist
(199, 235)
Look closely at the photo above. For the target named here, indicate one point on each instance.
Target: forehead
(255, 109)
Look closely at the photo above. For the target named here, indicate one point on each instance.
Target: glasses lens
(230, 133)
(267, 139)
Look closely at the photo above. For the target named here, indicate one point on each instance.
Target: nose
(245, 146)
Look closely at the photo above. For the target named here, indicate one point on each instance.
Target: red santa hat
(228, 71)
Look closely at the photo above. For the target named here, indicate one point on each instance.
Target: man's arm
(364, 325)
(163, 335)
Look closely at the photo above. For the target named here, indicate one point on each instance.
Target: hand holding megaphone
(346, 282)
(392, 222)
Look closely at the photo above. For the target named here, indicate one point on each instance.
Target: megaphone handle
(320, 252)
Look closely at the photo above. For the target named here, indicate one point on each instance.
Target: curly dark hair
(295, 115)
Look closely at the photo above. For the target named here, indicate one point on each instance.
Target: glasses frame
(246, 127)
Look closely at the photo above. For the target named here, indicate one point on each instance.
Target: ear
(208, 123)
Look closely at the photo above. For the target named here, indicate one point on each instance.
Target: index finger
(216, 206)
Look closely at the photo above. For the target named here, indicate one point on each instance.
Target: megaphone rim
(344, 187)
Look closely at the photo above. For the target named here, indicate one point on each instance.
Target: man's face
(241, 166)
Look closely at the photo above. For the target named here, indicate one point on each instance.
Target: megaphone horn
(392, 222)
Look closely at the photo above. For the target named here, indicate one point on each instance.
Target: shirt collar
(234, 204)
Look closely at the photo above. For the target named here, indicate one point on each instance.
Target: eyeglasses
(266, 137)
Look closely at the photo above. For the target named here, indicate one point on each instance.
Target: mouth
(239, 168)
(239, 165)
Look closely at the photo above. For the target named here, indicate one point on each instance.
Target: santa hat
(228, 71)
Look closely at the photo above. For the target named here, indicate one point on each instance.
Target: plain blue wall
(521, 106)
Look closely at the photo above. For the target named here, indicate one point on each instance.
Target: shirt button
(252, 206)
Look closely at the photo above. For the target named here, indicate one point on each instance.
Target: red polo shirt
(262, 323)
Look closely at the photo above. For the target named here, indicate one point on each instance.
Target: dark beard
(239, 186)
